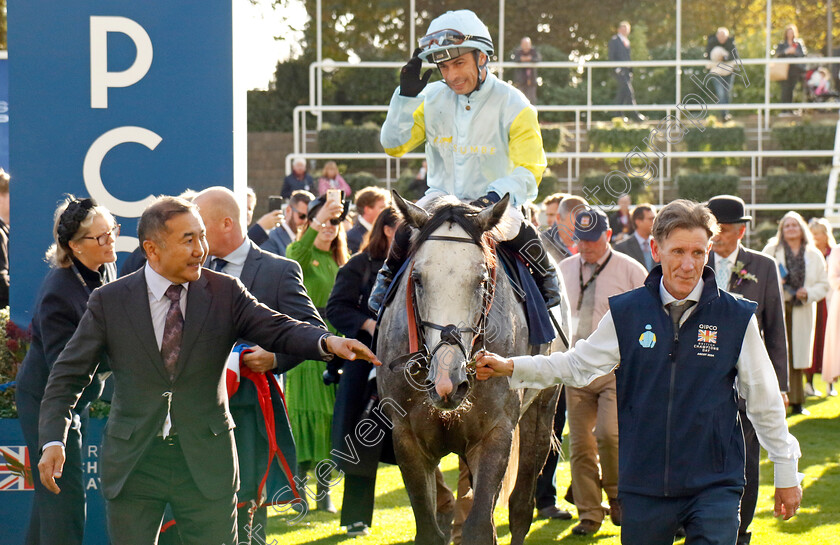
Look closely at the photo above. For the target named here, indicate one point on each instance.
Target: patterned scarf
(795, 266)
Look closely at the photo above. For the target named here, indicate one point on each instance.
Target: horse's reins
(450, 334)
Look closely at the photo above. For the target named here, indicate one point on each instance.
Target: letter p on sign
(100, 78)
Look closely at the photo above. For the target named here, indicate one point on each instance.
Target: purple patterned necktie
(170, 347)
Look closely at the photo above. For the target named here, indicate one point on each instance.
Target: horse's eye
(418, 282)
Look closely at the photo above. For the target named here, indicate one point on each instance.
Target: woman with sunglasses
(482, 139)
(81, 259)
(320, 251)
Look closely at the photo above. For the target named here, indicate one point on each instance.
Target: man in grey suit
(276, 282)
(169, 438)
(637, 245)
(756, 277)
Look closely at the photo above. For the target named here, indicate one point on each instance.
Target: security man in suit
(277, 283)
(755, 278)
(168, 330)
(637, 245)
(618, 49)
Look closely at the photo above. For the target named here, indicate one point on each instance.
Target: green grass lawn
(818, 521)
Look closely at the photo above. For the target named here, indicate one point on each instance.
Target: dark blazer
(257, 234)
(278, 240)
(347, 311)
(355, 237)
(277, 282)
(118, 322)
(292, 184)
(630, 246)
(134, 262)
(712, 42)
(767, 292)
(617, 51)
(59, 308)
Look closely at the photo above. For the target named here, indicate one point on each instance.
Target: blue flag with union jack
(15, 471)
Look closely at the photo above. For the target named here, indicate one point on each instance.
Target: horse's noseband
(449, 334)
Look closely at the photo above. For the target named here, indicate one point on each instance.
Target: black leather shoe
(554, 512)
(615, 511)
(797, 408)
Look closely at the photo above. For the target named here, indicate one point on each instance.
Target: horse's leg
(418, 473)
(487, 461)
(535, 428)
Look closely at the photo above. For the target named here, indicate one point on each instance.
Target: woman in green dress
(320, 251)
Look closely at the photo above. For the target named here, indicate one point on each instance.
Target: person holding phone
(805, 281)
(320, 251)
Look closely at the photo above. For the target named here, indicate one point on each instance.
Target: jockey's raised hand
(410, 81)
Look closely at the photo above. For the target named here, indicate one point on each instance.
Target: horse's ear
(413, 215)
(490, 216)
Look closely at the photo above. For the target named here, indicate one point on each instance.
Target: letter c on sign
(93, 163)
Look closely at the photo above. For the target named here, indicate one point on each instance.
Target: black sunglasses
(301, 216)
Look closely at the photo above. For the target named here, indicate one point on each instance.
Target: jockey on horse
(482, 140)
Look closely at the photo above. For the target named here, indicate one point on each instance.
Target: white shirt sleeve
(759, 386)
(589, 359)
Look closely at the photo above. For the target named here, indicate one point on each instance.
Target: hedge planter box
(16, 489)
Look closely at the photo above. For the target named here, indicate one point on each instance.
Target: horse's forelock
(446, 210)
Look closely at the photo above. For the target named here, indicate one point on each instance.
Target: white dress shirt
(236, 259)
(599, 354)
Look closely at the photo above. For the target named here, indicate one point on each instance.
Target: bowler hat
(728, 209)
(590, 224)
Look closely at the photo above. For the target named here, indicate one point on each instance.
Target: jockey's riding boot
(396, 258)
(527, 243)
(377, 294)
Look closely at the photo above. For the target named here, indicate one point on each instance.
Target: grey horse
(434, 402)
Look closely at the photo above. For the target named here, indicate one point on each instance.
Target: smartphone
(275, 202)
(782, 271)
(335, 195)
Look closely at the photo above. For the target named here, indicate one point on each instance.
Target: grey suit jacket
(277, 282)
(767, 292)
(630, 246)
(118, 322)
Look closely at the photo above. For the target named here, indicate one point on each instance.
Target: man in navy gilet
(682, 351)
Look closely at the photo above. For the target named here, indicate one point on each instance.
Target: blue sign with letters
(118, 100)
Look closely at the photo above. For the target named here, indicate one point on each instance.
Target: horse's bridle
(450, 334)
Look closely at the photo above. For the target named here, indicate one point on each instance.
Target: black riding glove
(410, 81)
(487, 200)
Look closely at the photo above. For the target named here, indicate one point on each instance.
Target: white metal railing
(316, 69)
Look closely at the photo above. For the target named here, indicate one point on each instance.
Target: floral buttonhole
(315, 263)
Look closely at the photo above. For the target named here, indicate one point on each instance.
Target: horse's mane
(448, 209)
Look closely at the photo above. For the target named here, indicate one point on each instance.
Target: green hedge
(360, 180)
(797, 187)
(552, 138)
(805, 136)
(730, 138)
(616, 139)
(704, 185)
(595, 190)
(350, 139)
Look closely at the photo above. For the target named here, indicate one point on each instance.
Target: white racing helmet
(453, 34)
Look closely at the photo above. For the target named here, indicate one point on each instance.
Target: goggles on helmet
(448, 37)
